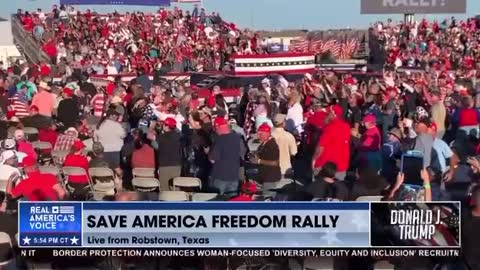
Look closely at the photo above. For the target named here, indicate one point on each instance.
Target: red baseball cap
(170, 122)
(68, 91)
(337, 110)
(370, 118)
(78, 145)
(249, 187)
(29, 161)
(265, 128)
(220, 121)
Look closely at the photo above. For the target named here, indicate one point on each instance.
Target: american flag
(299, 45)
(317, 45)
(67, 209)
(332, 46)
(19, 105)
(341, 50)
(349, 48)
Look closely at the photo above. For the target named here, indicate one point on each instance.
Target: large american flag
(19, 105)
(340, 50)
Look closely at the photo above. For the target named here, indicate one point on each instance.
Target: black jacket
(68, 112)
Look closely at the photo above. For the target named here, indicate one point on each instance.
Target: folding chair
(31, 133)
(173, 196)
(43, 149)
(203, 197)
(144, 172)
(76, 171)
(188, 183)
(369, 199)
(59, 155)
(49, 170)
(52, 170)
(42, 145)
(146, 184)
(7, 263)
(103, 180)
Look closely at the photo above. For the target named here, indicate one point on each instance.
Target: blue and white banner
(210, 225)
(196, 225)
(50, 224)
(117, 2)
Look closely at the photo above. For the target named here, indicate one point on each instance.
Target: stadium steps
(209, 81)
(26, 45)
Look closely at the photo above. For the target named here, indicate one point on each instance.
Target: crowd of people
(449, 45)
(121, 43)
(404, 136)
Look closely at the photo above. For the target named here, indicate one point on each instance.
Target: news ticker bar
(238, 225)
(44, 253)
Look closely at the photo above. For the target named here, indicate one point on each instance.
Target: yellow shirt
(287, 147)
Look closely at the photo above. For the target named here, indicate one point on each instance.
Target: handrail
(22, 38)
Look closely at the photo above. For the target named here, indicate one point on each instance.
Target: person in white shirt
(110, 133)
(111, 69)
(295, 114)
(41, 15)
(266, 86)
(8, 169)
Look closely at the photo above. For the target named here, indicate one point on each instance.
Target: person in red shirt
(45, 69)
(249, 189)
(79, 183)
(28, 23)
(370, 145)
(36, 187)
(111, 86)
(334, 143)
(48, 135)
(315, 124)
(468, 117)
(51, 49)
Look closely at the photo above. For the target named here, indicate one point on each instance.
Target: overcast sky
(263, 14)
